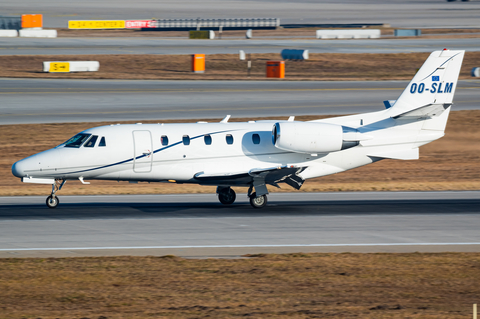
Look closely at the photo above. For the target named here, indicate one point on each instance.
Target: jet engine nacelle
(307, 137)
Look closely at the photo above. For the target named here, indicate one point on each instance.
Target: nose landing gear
(52, 200)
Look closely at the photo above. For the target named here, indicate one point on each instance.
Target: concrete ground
(149, 45)
(199, 226)
(60, 100)
(398, 13)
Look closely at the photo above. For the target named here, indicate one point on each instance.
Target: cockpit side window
(77, 140)
(91, 142)
(102, 142)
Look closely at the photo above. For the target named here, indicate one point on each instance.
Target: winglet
(225, 120)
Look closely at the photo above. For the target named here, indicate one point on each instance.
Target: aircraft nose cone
(18, 169)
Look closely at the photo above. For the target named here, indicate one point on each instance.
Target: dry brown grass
(450, 163)
(328, 66)
(296, 33)
(442, 285)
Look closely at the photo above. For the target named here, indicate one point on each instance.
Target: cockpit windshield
(77, 140)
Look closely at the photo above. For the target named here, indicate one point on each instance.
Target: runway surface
(199, 226)
(76, 46)
(57, 101)
(399, 13)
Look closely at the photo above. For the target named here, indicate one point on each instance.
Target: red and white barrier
(137, 24)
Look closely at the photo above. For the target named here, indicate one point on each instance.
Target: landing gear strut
(52, 200)
(226, 195)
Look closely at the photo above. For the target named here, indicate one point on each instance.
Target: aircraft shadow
(209, 210)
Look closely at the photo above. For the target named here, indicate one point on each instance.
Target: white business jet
(257, 153)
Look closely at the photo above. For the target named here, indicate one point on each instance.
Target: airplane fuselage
(257, 153)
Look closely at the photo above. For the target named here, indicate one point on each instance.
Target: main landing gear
(227, 196)
(258, 201)
(52, 200)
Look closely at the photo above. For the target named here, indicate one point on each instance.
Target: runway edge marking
(242, 246)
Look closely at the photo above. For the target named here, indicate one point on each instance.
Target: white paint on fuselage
(120, 159)
(174, 161)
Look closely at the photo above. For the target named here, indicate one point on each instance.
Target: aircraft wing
(272, 175)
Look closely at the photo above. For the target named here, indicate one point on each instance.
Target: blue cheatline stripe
(439, 67)
(141, 156)
(244, 246)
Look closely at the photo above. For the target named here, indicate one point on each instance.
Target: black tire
(258, 201)
(227, 196)
(52, 202)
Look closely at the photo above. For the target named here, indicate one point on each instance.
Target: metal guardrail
(225, 24)
(10, 23)
(335, 25)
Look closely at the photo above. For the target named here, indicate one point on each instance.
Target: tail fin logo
(436, 88)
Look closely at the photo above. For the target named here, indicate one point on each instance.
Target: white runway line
(244, 246)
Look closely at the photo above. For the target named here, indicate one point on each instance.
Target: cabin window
(186, 140)
(77, 140)
(229, 139)
(256, 139)
(102, 142)
(164, 140)
(91, 142)
(208, 139)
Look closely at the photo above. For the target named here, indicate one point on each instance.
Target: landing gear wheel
(258, 201)
(52, 201)
(227, 196)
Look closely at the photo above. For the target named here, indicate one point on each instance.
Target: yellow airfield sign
(59, 67)
(96, 24)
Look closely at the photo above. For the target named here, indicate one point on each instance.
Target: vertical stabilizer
(434, 83)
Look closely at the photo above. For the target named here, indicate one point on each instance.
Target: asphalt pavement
(150, 45)
(198, 226)
(398, 13)
(58, 101)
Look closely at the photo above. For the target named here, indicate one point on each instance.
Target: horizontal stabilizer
(423, 112)
(402, 154)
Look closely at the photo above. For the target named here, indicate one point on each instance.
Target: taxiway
(58, 101)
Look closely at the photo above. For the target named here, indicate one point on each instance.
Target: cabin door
(142, 151)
